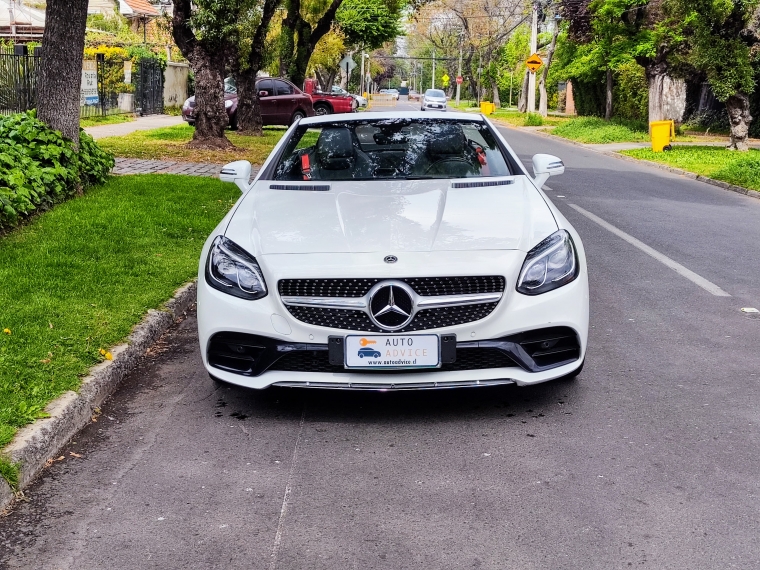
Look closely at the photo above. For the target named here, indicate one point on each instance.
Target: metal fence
(18, 80)
(108, 87)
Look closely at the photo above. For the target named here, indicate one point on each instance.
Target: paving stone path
(148, 166)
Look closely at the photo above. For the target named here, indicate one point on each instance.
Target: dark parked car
(282, 103)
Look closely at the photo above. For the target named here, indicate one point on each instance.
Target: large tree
(202, 30)
(724, 35)
(60, 72)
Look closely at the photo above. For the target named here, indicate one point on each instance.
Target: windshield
(382, 149)
(434, 93)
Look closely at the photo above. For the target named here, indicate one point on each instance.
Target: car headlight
(232, 270)
(550, 265)
(228, 103)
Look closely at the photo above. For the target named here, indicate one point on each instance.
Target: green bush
(38, 167)
(533, 120)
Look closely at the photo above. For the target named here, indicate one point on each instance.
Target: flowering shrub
(38, 167)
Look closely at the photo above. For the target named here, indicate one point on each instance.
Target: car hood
(392, 216)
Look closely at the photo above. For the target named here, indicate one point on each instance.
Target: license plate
(392, 351)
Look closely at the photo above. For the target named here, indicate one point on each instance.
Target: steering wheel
(449, 160)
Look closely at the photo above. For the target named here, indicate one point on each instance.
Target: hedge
(38, 167)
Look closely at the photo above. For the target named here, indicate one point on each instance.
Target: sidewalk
(139, 124)
(149, 166)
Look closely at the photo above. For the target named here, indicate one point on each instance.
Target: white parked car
(393, 92)
(434, 100)
(388, 252)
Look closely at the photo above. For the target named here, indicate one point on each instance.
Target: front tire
(321, 110)
(297, 116)
(233, 122)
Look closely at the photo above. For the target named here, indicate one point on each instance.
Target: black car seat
(337, 156)
(448, 155)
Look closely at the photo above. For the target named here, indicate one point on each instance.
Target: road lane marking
(286, 497)
(708, 286)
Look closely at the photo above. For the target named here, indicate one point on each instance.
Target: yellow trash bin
(662, 133)
(486, 108)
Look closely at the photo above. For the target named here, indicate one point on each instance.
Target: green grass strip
(79, 277)
(169, 143)
(10, 472)
(739, 168)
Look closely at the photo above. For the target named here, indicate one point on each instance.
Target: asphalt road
(649, 460)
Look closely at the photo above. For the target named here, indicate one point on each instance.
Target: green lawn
(78, 278)
(739, 168)
(593, 130)
(107, 120)
(168, 143)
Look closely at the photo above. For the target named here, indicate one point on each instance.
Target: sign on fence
(88, 93)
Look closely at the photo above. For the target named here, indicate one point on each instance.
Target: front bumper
(221, 314)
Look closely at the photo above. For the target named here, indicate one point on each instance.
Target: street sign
(459, 79)
(534, 62)
(347, 63)
(88, 92)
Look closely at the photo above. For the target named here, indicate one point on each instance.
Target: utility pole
(459, 73)
(533, 49)
(432, 82)
(361, 82)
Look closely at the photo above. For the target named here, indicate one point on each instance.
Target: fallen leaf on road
(109, 356)
(74, 454)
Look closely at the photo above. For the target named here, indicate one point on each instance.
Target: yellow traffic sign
(534, 62)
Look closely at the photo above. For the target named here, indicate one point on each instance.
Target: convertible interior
(392, 149)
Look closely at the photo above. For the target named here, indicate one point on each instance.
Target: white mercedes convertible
(393, 251)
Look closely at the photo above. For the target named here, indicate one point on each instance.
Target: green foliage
(113, 24)
(79, 277)
(739, 168)
(10, 472)
(369, 23)
(593, 130)
(39, 168)
(533, 120)
(631, 92)
(718, 50)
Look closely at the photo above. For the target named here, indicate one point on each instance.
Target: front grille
(425, 286)
(425, 319)
(356, 320)
(467, 359)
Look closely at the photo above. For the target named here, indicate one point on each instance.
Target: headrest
(335, 148)
(448, 140)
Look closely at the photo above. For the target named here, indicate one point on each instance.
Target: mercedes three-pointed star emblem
(391, 305)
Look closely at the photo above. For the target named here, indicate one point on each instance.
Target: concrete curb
(679, 171)
(34, 444)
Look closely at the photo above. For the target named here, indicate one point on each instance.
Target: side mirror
(544, 166)
(238, 172)
(263, 93)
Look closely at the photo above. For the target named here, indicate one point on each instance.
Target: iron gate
(150, 87)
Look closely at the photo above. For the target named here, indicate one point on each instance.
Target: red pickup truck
(328, 103)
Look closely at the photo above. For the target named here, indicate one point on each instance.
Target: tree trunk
(667, 96)
(738, 115)
(608, 104)
(543, 103)
(210, 114)
(207, 61)
(522, 101)
(248, 115)
(249, 107)
(496, 98)
(60, 74)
